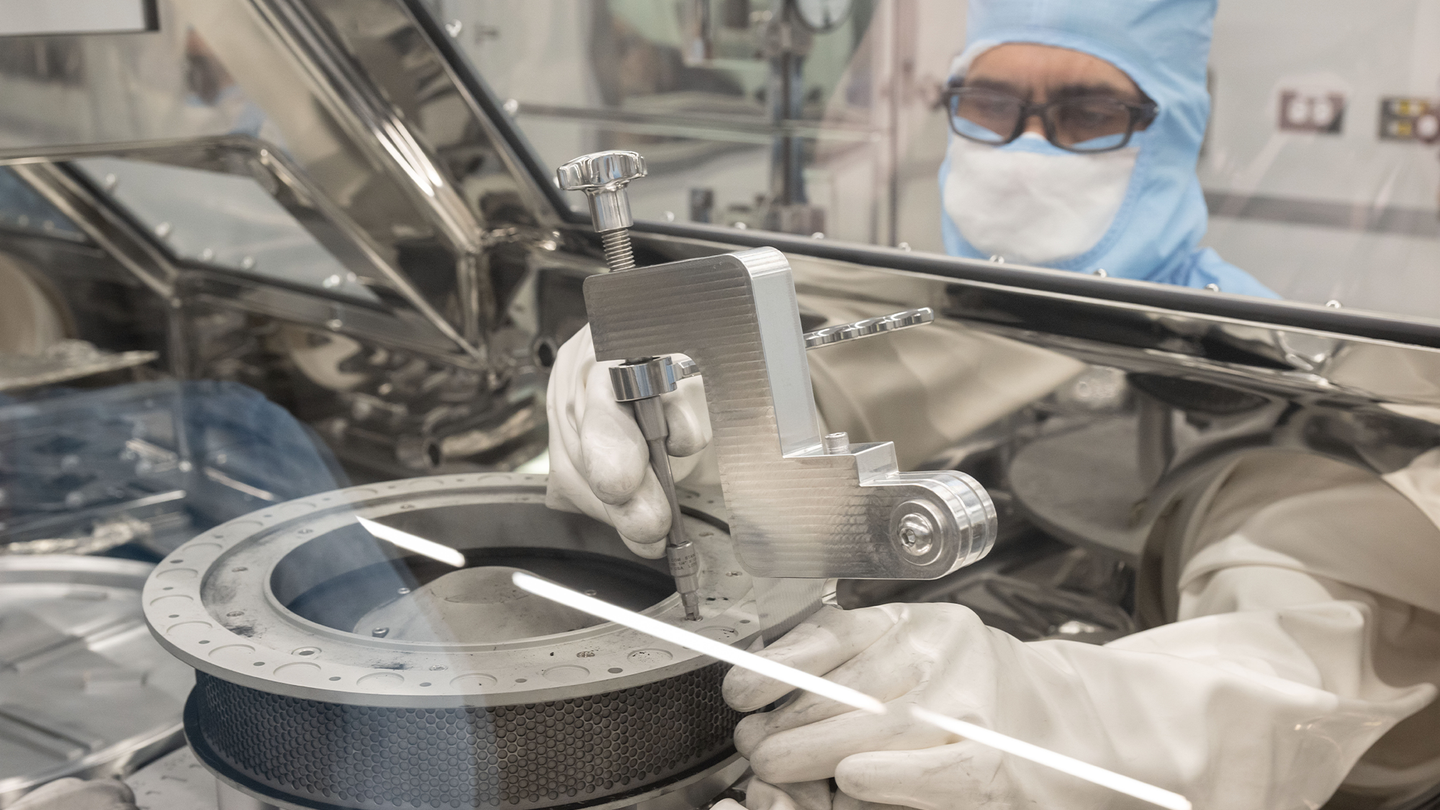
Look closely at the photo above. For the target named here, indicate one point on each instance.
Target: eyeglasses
(1082, 124)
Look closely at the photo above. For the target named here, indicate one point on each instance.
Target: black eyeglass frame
(1141, 115)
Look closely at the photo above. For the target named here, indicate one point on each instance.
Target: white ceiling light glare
(698, 643)
(414, 544)
(1053, 759)
(850, 697)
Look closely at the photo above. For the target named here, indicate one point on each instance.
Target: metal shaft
(679, 550)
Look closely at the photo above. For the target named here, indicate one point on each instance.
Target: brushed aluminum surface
(795, 510)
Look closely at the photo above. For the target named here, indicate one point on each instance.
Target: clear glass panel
(740, 123)
(1317, 169)
(222, 219)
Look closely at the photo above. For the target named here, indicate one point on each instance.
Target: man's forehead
(1022, 68)
(1060, 88)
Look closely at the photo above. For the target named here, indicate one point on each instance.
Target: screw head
(916, 535)
(600, 171)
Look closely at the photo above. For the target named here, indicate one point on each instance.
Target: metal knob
(603, 177)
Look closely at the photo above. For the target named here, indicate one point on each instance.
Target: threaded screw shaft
(618, 253)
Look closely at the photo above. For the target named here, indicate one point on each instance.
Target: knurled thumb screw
(603, 177)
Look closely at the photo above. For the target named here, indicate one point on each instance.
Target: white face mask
(1031, 201)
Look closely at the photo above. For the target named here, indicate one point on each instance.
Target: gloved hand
(819, 795)
(1257, 709)
(79, 794)
(599, 462)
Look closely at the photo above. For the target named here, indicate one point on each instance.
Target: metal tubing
(679, 551)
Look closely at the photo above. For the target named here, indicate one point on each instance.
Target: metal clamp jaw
(796, 509)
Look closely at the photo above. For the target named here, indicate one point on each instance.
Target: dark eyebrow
(1008, 88)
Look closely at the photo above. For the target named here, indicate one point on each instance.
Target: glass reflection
(1315, 177)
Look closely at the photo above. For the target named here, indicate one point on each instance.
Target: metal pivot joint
(641, 379)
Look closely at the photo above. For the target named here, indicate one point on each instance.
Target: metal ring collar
(651, 378)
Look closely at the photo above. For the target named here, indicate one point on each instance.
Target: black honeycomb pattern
(534, 755)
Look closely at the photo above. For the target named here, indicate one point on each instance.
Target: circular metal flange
(222, 602)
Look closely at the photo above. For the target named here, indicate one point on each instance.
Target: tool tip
(691, 601)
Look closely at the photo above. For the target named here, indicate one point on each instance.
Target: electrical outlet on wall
(1409, 119)
(1322, 113)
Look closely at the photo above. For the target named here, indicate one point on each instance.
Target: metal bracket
(795, 510)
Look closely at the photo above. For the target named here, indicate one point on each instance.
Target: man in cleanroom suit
(1099, 172)
(1304, 648)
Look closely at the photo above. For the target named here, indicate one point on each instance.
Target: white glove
(819, 795)
(1262, 709)
(599, 462)
(78, 794)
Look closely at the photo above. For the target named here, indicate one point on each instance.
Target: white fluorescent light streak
(844, 694)
(698, 643)
(414, 544)
(1052, 759)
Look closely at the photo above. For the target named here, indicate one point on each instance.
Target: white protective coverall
(1308, 629)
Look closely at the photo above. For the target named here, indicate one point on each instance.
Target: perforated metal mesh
(534, 755)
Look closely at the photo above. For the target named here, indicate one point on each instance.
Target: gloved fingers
(681, 468)
(644, 520)
(650, 551)
(688, 419)
(846, 802)
(565, 487)
(762, 795)
(885, 671)
(727, 804)
(817, 645)
(932, 778)
(616, 458)
(813, 751)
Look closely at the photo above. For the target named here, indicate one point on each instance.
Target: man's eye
(1093, 115)
(988, 107)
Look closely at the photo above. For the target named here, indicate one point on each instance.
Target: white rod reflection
(414, 544)
(698, 643)
(844, 694)
(1091, 773)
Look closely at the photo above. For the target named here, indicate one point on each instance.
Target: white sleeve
(1330, 590)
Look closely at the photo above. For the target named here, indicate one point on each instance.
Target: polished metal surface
(84, 690)
(602, 176)
(868, 327)
(654, 377)
(237, 155)
(796, 511)
(353, 117)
